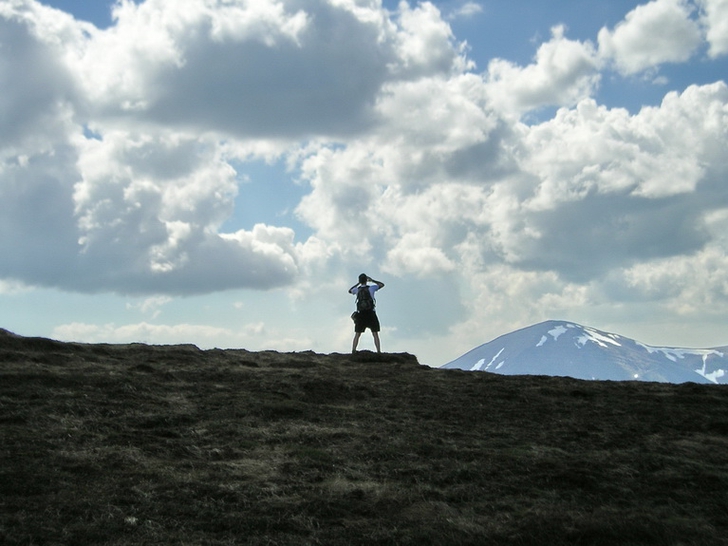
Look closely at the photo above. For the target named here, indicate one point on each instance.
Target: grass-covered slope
(137, 444)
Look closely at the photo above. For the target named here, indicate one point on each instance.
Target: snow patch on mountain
(479, 364)
(568, 349)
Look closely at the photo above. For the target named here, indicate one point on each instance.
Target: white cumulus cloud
(564, 72)
(661, 31)
(715, 19)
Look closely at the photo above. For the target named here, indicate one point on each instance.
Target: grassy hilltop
(137, 444)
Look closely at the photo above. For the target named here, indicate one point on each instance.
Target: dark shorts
(366, 319)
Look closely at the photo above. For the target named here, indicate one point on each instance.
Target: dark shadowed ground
(138, 444)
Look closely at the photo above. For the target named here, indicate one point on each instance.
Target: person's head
(363, 278)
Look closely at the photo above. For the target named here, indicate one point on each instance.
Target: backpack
(364, 300)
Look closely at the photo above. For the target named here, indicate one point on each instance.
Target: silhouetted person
(365, 315)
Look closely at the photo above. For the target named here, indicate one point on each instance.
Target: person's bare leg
(375, 335)
(357, 335)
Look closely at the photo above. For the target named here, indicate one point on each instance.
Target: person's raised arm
(380, 284)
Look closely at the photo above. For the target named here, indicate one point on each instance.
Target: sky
(219, 172)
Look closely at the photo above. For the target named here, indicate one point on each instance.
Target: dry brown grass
(137, 444)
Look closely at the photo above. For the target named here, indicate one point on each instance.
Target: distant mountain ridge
(562, 348)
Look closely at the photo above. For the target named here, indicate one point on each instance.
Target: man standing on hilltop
(365, 315)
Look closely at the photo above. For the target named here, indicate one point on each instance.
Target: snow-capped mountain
(562, 348)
